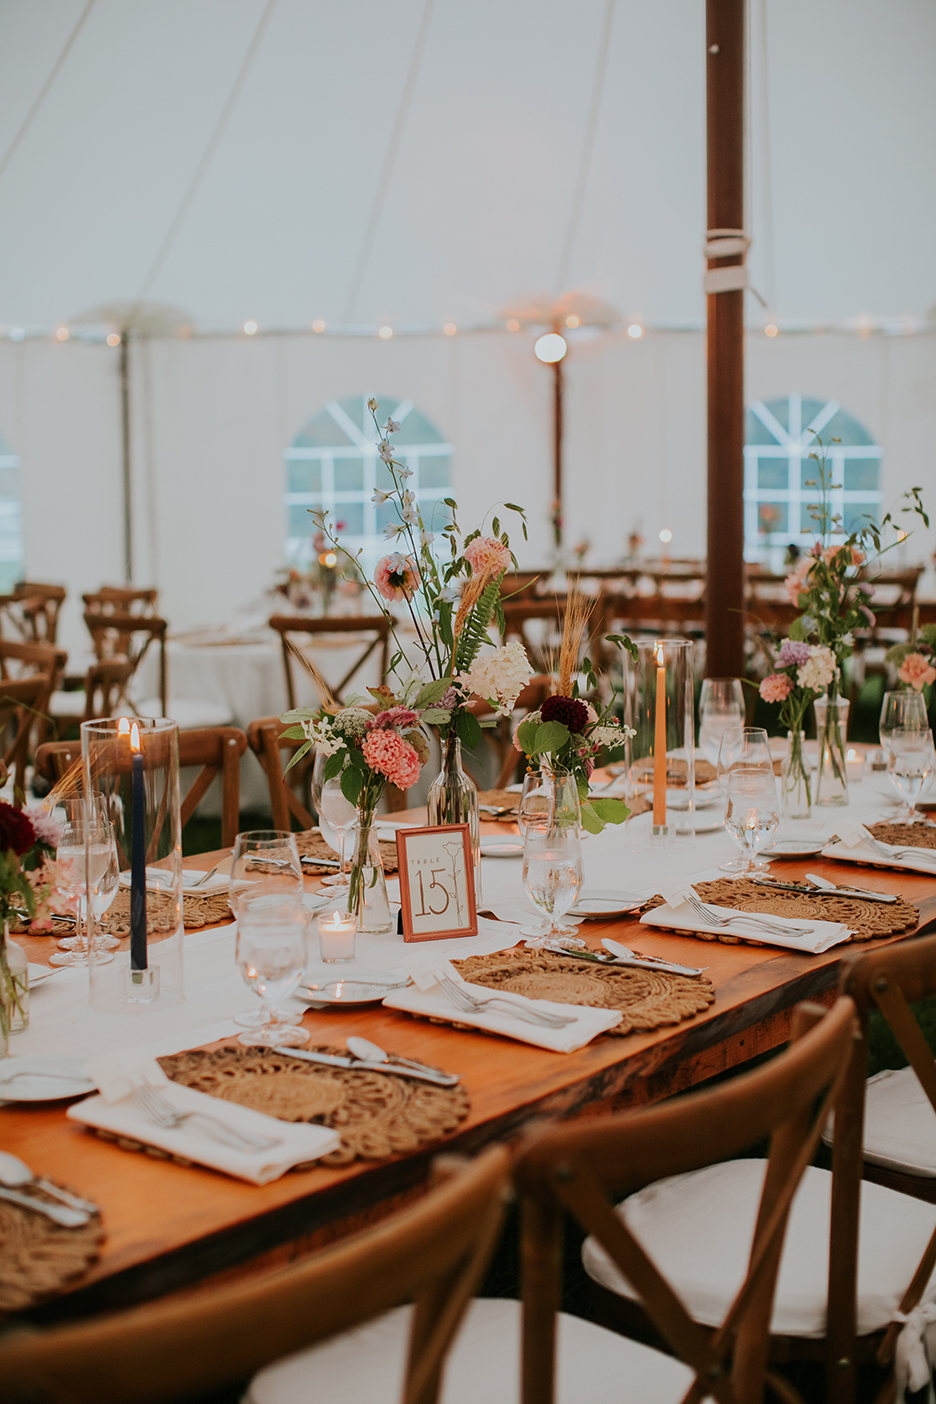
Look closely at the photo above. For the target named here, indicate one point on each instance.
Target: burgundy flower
(565, 709)
(16, 832)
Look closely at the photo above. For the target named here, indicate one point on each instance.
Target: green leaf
(352, 782)
(797, 631)
(526, 735)
(335, 764)
(551, 736)
(467, 729)
(431, 692)
(612, 811)
(624, 641)
(436, 716)
(356, 759)
(302, 751)
(292, 733)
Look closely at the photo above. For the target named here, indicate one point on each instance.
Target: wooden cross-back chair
(119, 599)
(266, 740)
(549, 612)
(25, 660)
(303, 631)
(103, 694)
(119, 634)
(433, 1253)
(577, 1168)
(33, 610)
(216, 749)
(23, 709)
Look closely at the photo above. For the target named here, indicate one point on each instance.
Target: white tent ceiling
(417, 162)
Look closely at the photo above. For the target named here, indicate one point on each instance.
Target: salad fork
(703, 911)
(160, 1111)
(476, 1004)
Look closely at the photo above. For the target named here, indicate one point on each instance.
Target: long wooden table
(169, 1226)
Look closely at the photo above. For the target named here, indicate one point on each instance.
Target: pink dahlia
(397, 577)
(795, 584)
(394, 716)
(387, 753)
(776, 687)
(487, 556)
(916, 670)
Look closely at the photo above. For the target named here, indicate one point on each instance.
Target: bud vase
(453, 799)
(14, 989)
(831, 730)
(367, 890)
(795, 780)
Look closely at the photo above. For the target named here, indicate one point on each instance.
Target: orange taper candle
(659, 741)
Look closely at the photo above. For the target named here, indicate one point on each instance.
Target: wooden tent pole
(557, 451)
(724, 612)
(127, 476)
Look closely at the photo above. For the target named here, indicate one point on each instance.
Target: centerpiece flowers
(33, 885)
(836, 602)
(914, 660)
(802, 672)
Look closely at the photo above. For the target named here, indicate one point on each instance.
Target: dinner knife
(824, 891)
(334, 1060)
(616, 962)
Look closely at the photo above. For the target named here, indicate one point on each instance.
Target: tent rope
(44, 90)
(213, 141)
(588, 147)
(370, 229)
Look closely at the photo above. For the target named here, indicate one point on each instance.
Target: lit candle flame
(658, 651)
(135, 738)
(123, 727)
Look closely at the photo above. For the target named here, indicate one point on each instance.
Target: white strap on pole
(726, 243)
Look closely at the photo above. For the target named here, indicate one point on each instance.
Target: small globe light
(666, 536)
(318, 325)
(113, 339)
(573, 321)
(550, 348)
(250, 329)
(328, 558)
(771, 329)
(62, 333)
(385, 333)
(635, 330)
(513, 324)
(450, 329)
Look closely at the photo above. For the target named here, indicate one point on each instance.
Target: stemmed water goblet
(721, 709)
(901, 710)
(271, 956)
(746, 746)
(552, 875)
(338, 822)
(266, 875)
(911, 761)
(752, 816)
(87, 854)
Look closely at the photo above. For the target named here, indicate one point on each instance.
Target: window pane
(771, 516)
(773, 473)
(349, 474)
(856, 514)
(299, 522)
(305, 475)
(435, 472)
(861, 474)
(349, 518)
(807, 520)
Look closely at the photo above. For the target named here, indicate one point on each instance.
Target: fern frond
(475, 626)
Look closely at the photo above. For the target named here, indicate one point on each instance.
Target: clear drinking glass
(265, 874)
(753, 815)
(552, 875)
(901, 709)
(746, 746)
(73, 811)
(271, 955)
(911, 761)
(338, 822)
(721, 709)
(87, 850)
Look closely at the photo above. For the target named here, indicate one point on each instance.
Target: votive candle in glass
(854, 765)
(336, 936)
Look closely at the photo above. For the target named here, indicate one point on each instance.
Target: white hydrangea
(611, 734)
(499, 676)
(321, 735)
(819, 670)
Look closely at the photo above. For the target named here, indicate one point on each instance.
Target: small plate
(357, 987)
(501, 848)
(598, 903)
(43, 1079)
(792, 848)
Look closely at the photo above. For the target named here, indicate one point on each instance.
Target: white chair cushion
(900, 1124)
(365, 1366)
(190, 712)
(67, 704)
(698, 1229)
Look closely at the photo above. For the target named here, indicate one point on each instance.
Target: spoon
(373, 1053)
(16, 1174)
(200, 882)
(825, 886)
(626, 953)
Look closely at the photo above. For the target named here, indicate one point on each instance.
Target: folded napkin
(427, 997)
(853, 847)
(116, 1111)
(157, 880)
(677, 913)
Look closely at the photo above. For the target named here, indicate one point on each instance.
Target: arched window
(334, 463)
(780, 436)
(11, 521)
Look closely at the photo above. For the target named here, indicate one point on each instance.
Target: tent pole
(125, 454)
(557, 452)
(724, 610)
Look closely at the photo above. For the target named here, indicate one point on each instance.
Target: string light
(573, 321)
(318, 325)
(513, 324)
(666, 536)
(62, 333)
(250, 329)
(550, 348)
(635, 330)
(771, 329)
(113, 339)
(385, 333)
(450, 329)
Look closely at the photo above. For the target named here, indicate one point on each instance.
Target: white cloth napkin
(116, 1111)
(854, 848)
(677, 913)
(432, 1001)
(156, 881)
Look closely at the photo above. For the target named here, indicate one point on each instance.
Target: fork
(157, 1109)
(474, 1004)
(703, 911)
(890, 851)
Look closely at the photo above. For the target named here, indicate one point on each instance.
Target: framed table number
(437, 883)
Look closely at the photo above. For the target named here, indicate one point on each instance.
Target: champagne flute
(911, 761)
(552, 875)
(746, 746)
(271, 956)
(721, 709)
(901, 710)
(338, 821)
(752, 816)
(265, 874)
(88, 856)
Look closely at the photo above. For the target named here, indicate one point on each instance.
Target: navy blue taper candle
(138, 858)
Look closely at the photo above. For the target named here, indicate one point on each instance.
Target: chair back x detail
(265, 737)
(302, 631)
(123, 635)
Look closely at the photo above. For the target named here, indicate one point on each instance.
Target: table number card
(437, 883)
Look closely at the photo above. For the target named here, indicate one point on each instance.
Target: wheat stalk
(321, 686)
(578, 611)
(471, 594)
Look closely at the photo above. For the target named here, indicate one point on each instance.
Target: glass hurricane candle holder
(132, 765)
(658, 704)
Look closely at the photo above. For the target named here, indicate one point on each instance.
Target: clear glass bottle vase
(367, 891)
(796, 780)
(832, 730)
(14, 989)
(453, 799)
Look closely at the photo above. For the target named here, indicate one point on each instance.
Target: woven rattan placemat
(160, 909)
(376, 1114)
(37, 1257)
(868, 921)
(312, 845)
(647, 998)
(907, 835)
(705, 772)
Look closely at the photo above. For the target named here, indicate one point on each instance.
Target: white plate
(502, 848)
(357, 987)
(793, 848)
(598, 902)
(43, 1079)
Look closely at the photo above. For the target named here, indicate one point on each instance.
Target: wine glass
(338, 821)
(552, 875)
(746, 746)
(901, 709)
(721, 709)
(88, 855)
(271, 956)
(911, 761)
(265, 873)
(753, 814)
(533, 803)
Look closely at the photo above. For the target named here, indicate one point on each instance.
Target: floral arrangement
(32, 882)
(315, 587)
(914, 660)
(802, 672)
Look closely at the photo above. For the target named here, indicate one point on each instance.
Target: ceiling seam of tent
(201, 169)
(588, 147)
(769, 255)
(370, 229)
(45, 89)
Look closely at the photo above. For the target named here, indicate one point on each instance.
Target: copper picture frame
(442, 854)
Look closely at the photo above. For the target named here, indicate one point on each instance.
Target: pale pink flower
(47, 827)
(53, 884)
(393, 716)
(388, 753)
(487, 556)
(397, 577)
(916, 670)
(796, 583)
(776, 687)
(858, 557)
